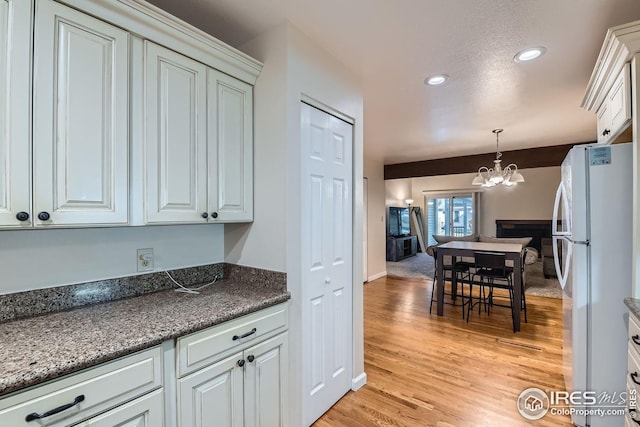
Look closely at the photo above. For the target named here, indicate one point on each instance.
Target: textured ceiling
(394, 45)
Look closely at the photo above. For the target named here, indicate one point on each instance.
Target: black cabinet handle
(250, 358)
(214, 214)
(636, 339)
(205, 215)
(44, 216)
(22, 216)
(634, 377)
(241, 363)
(606, 132)
(632, 412)
(36, 416)
(251, 332)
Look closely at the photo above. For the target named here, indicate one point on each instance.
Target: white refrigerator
(592, 236)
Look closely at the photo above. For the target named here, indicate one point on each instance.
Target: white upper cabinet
(81, 118)
(175, 137)
(198, 141)
(104, 123)
(15, 95)
(230, 109)
(614, 115)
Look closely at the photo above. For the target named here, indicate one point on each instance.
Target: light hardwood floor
(425, 370)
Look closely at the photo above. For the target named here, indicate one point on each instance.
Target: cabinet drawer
(145, 411)
(202, 348)
(103, 387)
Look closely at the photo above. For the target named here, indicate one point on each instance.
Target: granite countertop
(634, 306)
(45, 347)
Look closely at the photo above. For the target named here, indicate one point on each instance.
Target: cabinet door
(175, 137)
(266, 382)
(212, 396)
(603, 122)
(146, 411)
(81, 98)
(230, 110)
(619, 99)
(15, 93)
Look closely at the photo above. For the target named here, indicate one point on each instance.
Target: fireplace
(535, 228)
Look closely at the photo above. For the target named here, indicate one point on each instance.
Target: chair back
(490, 260)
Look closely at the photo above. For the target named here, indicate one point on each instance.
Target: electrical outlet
(145, 259)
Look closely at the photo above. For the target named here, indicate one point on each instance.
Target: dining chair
(458, 269)
(489, 267)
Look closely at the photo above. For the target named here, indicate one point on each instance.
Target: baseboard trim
(359, 381)
(377, 276)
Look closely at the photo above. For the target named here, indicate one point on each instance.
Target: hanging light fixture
(489, 177)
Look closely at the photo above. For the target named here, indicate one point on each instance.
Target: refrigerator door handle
(556, 206)
(563, 273)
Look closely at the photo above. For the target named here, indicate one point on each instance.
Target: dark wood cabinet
(401, 247)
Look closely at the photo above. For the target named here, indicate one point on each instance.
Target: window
(451, 215)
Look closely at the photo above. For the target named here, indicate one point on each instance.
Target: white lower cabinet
(244, 389)
(146, 411)
(82, 397)
(213, 395)
(232, 374)
(265, 382)
(246, 385)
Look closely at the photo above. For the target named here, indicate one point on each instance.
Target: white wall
(397, 191)
(262, 244)
(532, 199)
(376, 219)
(34, 259)
(293, 60)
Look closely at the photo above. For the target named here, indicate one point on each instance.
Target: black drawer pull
(636, 339)
(634, 377)
(632, 412)
(251, 332)
(36, 416)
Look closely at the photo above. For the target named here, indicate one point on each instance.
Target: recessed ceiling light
(530, 54)
(436, 79)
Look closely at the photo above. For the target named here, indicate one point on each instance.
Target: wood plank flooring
(424, 370)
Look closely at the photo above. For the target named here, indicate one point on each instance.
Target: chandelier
(490, 177)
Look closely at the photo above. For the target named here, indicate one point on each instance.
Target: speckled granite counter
(41, 348)
(634, 306)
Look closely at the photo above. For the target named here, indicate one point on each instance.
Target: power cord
(182, 288)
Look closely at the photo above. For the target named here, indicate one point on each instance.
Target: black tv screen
(398, 220)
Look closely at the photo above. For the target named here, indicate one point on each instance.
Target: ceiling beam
(526, 158)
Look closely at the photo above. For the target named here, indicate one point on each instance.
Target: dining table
(456, 248)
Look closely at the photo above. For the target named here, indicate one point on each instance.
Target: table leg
(439, 283)
(454, 278)
(517, 292)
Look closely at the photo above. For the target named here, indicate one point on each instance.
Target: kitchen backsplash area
(40, 301)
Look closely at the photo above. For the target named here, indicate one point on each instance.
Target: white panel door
(15, 94)
(266, 382)
(213, 396)
(327, 248)
(230, 110)
(146, 411)
(175, 137)
(81, 98)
